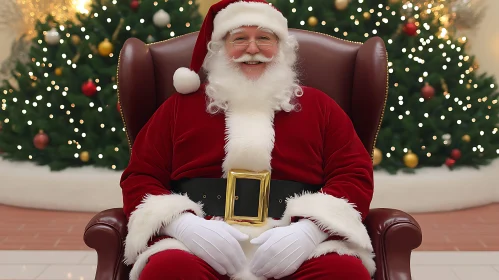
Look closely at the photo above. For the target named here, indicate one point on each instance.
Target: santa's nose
(252, 48)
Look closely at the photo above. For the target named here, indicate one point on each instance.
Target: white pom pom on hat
(222, 17)
(186, 81)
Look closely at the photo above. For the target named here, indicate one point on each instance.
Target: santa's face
(252, 49)
(235, 85)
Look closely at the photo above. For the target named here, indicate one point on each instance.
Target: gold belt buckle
(263, 198)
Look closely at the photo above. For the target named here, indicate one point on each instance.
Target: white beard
(249, 107)
(228, 88)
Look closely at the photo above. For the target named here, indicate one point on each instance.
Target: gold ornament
(411, 160)
(366, 15)
(58, 71)
(394, 1)
(377, 157)
(312, 21)
(466, 138)
(75, 39)
(341, 4)
(424, 16)
(84, 156)
(105, 47)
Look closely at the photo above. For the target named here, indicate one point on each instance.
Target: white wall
(485, 39)
(6, 39)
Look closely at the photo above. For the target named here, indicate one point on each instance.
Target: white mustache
(257, 57)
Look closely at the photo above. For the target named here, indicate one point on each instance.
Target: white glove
(215, 242)
(284, 249)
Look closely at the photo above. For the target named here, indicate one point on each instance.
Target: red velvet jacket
(316, 145)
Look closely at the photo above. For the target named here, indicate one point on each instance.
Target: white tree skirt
(91, 189)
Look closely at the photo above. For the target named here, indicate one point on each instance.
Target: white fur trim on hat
(249, 14)
(186, 81)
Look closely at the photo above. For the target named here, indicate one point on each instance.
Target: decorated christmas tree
(62, 108)
(439, 109)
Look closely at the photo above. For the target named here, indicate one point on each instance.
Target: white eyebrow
(264, 29)
(237, 30)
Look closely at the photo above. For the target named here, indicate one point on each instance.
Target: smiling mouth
(252, 62)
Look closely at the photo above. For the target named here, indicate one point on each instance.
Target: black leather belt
(212, 193)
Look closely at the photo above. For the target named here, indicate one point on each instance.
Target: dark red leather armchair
(354, 74)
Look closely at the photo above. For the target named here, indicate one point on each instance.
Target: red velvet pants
(181, 265)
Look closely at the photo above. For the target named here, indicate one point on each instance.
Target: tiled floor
(455, 265)
(475, 229)
(81, 265)
(53, 265)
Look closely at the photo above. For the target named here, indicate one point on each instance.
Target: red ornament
(134, 5)
(427, 92)
(118, 107)
(410, 29)
(89, 88)
(450, 162)
(41, 140)
(455, 154)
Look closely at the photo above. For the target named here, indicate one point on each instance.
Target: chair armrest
(394, 234)
(106, 233)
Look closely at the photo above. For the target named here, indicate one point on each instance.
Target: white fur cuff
(331, 213)
(154, 212)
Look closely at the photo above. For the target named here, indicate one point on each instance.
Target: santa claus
(249, 175)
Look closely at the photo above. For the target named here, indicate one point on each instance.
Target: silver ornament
(52, 37)
(407, 9)
(161, 18)
(447, 138)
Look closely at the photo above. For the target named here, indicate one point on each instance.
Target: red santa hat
(223, 17)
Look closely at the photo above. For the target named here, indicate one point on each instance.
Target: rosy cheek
(270, 52)
(235, 53)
